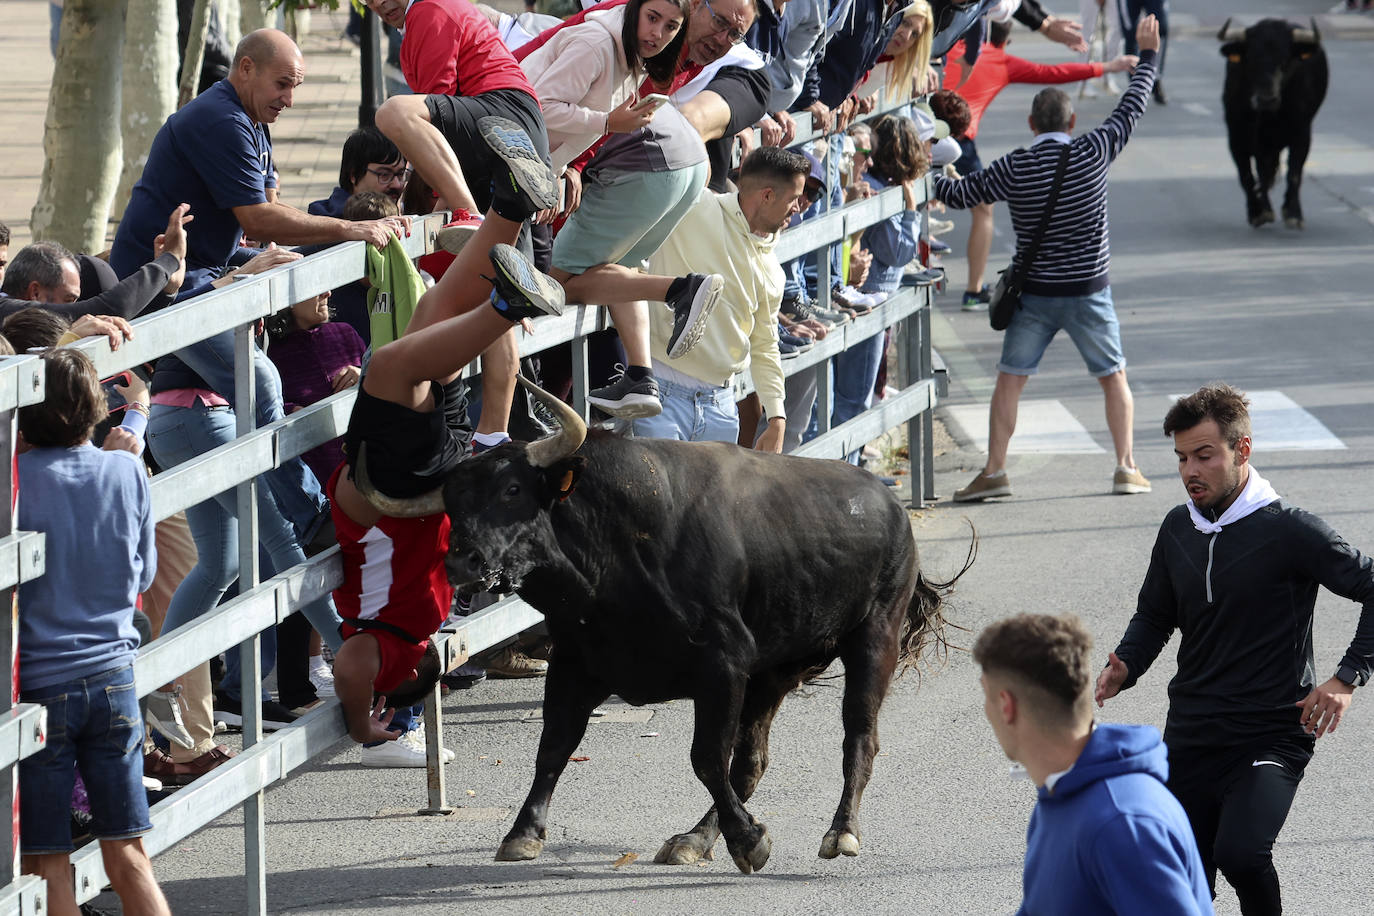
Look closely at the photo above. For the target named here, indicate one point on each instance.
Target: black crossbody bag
(1006, 297)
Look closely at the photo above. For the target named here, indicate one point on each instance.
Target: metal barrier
(237, 465)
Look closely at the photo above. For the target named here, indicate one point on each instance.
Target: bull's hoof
(1293, 222)
(519, 849)
(1261, 218)
(755, 857)
(837, 842)
(684, 849)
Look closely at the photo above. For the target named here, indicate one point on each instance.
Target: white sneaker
(417, 737)
(323, 680)
(403, 752)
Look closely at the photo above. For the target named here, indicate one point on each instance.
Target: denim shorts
(692, 414)
(93, 722)
(1089, 320)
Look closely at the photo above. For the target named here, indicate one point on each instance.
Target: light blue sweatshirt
(77, 619)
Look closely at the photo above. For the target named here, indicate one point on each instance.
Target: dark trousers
(1237, 800)
(1131, 12)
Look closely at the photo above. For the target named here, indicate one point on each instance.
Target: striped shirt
(1074, 253)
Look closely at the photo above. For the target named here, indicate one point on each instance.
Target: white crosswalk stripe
(1047, 427)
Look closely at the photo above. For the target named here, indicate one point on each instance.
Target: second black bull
(1276, 75)
(671, 570)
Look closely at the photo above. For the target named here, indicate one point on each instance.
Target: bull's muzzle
(468, 568)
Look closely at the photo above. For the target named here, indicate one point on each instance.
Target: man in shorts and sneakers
(1067, 287)
(407, 431)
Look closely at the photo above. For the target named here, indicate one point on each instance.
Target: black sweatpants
(1237, 799)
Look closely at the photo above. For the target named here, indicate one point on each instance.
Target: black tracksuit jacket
(1242, 600)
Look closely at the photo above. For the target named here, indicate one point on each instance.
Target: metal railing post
(250, 650)
(9, 649)
(436, 782)
(927, 417)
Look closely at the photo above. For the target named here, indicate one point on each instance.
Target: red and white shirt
(394, 574)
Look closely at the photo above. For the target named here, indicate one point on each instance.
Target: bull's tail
(925, 630)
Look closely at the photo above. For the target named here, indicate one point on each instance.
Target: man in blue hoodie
(1106, 835)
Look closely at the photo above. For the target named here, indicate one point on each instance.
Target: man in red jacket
(995, 70)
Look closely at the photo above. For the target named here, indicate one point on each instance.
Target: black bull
(1276, 76)
(671, 570)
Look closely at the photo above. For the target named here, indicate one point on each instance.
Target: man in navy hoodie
(1106, 835)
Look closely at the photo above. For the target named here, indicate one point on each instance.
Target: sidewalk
(307, 139)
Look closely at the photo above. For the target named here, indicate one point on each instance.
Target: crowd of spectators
(588, 160)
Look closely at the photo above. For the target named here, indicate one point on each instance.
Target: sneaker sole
(974, 307)
(536, 289)
(991, 493)
(632, 407)
(1129, 489)
(531, 174)
(232, 719)
(453, 238)
(708, 294)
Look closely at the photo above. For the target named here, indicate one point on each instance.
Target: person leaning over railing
(152, 285)
(77, 642)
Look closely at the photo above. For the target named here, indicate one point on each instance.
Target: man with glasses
(370, 162)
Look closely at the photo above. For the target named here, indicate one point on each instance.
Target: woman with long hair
(593, 80)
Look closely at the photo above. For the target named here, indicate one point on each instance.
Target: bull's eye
(512, 491)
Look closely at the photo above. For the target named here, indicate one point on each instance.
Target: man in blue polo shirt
(216, 155)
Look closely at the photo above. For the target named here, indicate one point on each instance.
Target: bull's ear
(562, 476)
(1232, 51)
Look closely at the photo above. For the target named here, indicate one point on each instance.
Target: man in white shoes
(1066, 285)
(1235, 570)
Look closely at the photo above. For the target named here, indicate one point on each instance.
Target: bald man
(216, 155)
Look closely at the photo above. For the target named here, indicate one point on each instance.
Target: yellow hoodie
(742, 332)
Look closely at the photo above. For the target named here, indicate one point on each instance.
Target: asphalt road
(1201, 296)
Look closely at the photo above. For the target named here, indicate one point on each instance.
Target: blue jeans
(177, 434)
(294, 485)
(856, 370)
(692, 415)
(1090, 322)
(93, 723)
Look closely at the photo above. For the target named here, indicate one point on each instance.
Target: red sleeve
(1020, 70)
(428, 61)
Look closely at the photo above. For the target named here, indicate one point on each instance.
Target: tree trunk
(194, 57)
(150, 88)
(81, 132)
(231, 18)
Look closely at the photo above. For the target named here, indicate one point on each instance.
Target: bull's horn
(569, 438)
(1307, 36)
(1229, 34)
(430, 503)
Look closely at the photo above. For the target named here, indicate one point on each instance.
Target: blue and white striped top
(1075, 252)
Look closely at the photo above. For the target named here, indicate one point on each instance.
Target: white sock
(1001, 473)
(317, 662)
(491, 438)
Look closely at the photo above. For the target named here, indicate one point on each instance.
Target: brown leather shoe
(172, 773)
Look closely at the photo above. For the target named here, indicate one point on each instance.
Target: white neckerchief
(1256, 495)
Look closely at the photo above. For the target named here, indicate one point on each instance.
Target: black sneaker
(928, 276)
(529, 178)
(627, 398)
(797, 310)
(1158, 92)
(230, 711)
(519, 291)
(976, 302)
(691, 308)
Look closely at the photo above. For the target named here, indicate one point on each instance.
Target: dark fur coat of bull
(693, 570)
(1276, 75)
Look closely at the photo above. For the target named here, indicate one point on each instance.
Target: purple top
(308, 361)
